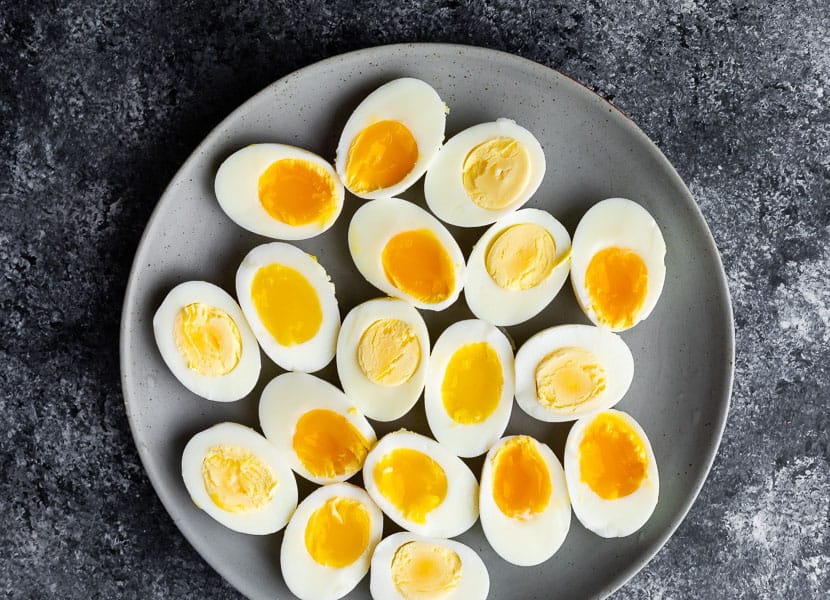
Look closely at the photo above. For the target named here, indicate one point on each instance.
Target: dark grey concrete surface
(100, 102)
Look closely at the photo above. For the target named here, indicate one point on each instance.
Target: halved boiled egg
(617, 264)
(421, 485)
(206, 342)
(611, 473)
(279, 191)
(382, 357)
(391, 138)
(289, 301)
(237, 477)
(517, 267)
(568, 371)
(483, 173)
(328, 544)
(470, 385)
(405, 252)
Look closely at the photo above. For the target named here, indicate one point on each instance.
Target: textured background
(101, 103)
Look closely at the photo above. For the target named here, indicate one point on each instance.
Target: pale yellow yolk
(425, 571)
(521, 480)
(389, 352)
(417, 263)
(496, 172)
(297, 192)
(208, 339)
(286, 303)
(337, 533)
(612, 457)
(412, 481)
(380, 156)
(472, 383)
(569, 377)
(521, 257)
(236, 479)
(617, 282)
(328, 445)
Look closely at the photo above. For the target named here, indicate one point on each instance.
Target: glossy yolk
(417, 263)
(389, 352)
(521, 480)
(425, 571)
(521, 257)
(569, 377)
(380, 156)
(236, 479)
(337, 533)
(472, 384)
(297, 192)
(287, 304)
(412, 481)
(617, 282)
(496, 172)
(328, 445)
(207, 339)
(612, 457)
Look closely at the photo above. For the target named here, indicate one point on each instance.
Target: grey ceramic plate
(683, 352)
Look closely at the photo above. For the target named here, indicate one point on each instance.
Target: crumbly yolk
(521, 257)
(337, 533)
(612, 457)
(389, 352)
(521, 480)
(472, 383)
(412, 481)
(496, 172)
(328, 445)
(236, 479)
(617, 283)
(297, 192)
(208, 339)
(286, 303)
(417, 263)
(380, 156)
(569, 377)
(425, 571)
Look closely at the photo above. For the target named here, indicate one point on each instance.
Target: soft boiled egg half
(391, 138)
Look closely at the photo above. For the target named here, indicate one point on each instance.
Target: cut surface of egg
(406, 566)
(391, 139)
(328, 544)
(406, 253)
(484, 173)
(206, 342)
(611, 473)
(517, 267)
(470, 384)
(618, 267)
(420, 485)
(315, 427)
(382, 357)
(279, 191)
(289, 301)
(568, 371)
(237, 477)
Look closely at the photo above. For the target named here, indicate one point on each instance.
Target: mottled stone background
(100, 103)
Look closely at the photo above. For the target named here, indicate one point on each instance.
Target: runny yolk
(496, 172)
(617, 283)
(521, 256)
(208, 339)
(472, 383)
(380, 156)
(521, 480)
(328, 445)
(569, 377)
(612, 457)
(236, 479)
(425, 571)
(412, 481)
(286, 303)
(389, 352)
(417, 263)
(337, 533)
(297, 192)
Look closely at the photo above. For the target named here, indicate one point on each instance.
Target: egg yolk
(612, 457)
(412, 481)
(380, 156)
(569, 377)
(617, 282)
(389, 352)
(417, 263)
(286, 303)
(521, 480)
(236, 479)
(425, 571)
(207, 339)
(297, 192)
(328, 445)
(337, 533)
(521, 257)
(472, 384)
(496, 172)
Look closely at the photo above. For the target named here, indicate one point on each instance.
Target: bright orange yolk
(612, 457)
(521, 479)
(412, 481)
(617, 282)
(337, 533)
(286, 304)
(472, 384)
(328, 445)
(417, 263)
(380, 156)
(297, 192)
